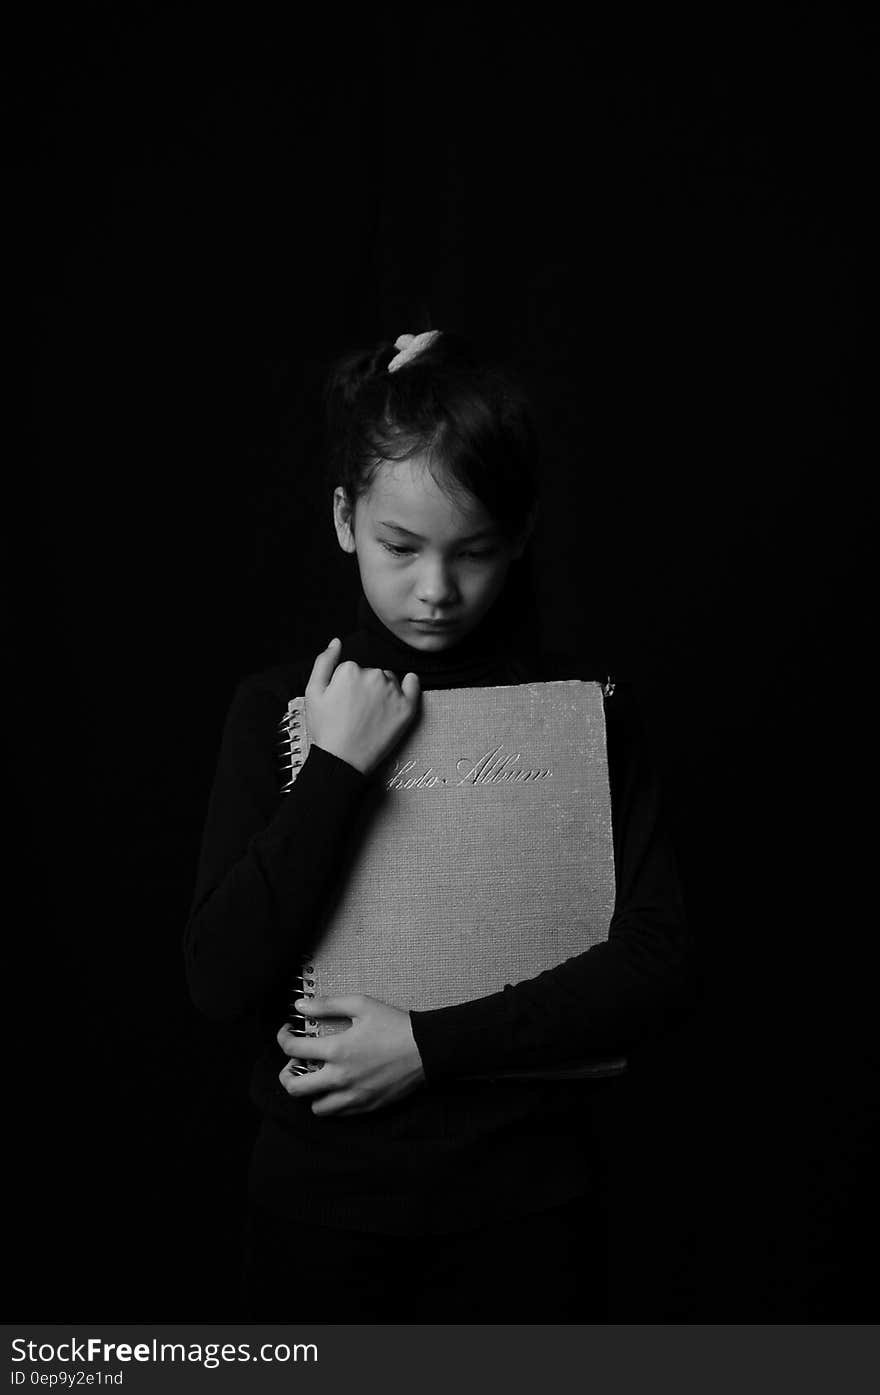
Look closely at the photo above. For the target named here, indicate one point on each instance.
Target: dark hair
(468, 418)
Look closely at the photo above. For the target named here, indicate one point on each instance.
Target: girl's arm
(602, 1002)
(266, 858)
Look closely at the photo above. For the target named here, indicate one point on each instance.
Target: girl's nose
(436, 584)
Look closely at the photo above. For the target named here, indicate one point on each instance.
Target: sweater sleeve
(266, 859)
(604, 1001)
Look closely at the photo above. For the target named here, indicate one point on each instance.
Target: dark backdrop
(672, 240)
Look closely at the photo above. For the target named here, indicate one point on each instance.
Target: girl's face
(430, 566)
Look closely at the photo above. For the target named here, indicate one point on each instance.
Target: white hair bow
(409, 345)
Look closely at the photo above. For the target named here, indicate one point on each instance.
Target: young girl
(391, 1185)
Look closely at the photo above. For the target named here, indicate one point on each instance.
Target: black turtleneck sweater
(457, 1152)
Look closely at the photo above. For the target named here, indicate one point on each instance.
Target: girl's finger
(349, 1005)
(307, 1048)
(411, 687)
(322, 668)
(313, 1082)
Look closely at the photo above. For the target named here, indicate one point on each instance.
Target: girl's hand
(358, 714)
(371, 1064)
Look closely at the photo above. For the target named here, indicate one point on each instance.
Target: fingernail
(300, 1004)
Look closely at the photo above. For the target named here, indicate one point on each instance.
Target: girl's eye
(398, 551)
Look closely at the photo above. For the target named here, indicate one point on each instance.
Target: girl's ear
(343, 519)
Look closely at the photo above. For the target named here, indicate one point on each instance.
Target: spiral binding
(291, 728)
(291, 743)
(300, 1025)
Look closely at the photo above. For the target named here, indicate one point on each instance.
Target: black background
(672, 237)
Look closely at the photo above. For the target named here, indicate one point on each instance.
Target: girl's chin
(419, 637)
